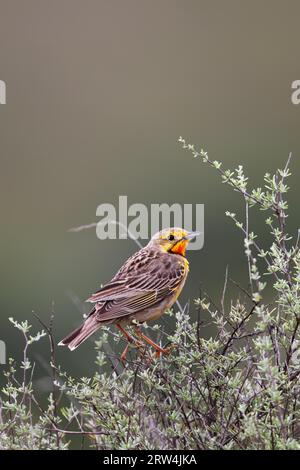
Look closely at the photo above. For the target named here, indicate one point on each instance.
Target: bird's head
(173, 240)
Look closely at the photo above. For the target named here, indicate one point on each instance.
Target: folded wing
(133, 293)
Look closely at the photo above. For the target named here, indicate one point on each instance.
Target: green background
(97, 94)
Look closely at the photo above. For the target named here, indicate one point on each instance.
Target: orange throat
(180, 247)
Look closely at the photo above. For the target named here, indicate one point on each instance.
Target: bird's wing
(133, 292)
(109, 291)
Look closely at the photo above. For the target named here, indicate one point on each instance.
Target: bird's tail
(76, 337)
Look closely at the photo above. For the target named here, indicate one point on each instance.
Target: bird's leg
(124, 353)
(159, 350)
(130, 340)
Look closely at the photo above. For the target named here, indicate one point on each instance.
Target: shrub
(237, 388)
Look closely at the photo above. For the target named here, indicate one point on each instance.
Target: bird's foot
(136, 344)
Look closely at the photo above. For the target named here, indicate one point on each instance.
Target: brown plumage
(146, 285)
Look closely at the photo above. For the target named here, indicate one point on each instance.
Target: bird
(145, 286)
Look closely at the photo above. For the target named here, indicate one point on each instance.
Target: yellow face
(173, 240)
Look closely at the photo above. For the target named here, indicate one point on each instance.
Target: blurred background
(98, 93)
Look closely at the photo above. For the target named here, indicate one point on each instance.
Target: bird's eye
(171, 237)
